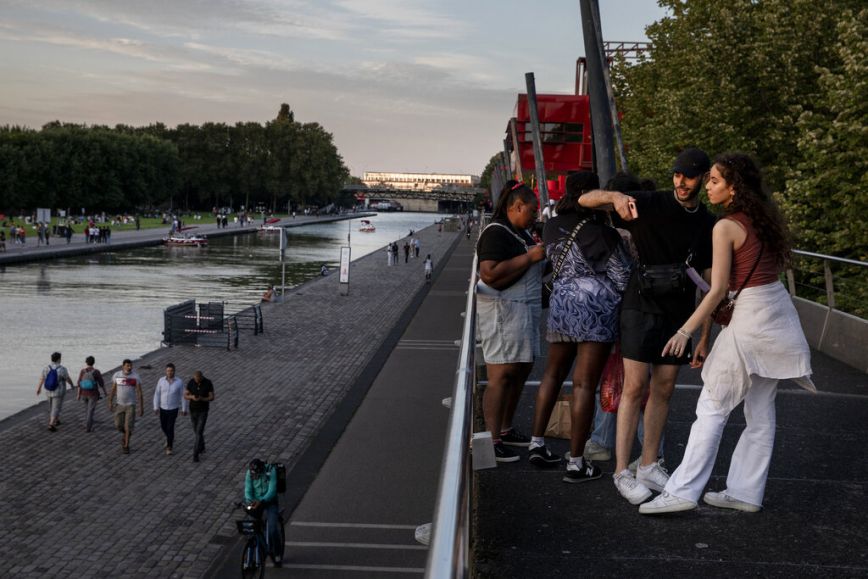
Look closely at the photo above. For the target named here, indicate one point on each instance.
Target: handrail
(831, 258)
(449, 554)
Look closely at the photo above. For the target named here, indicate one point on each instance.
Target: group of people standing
(621, 265)
(126, 399)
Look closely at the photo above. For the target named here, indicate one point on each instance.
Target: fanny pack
(662, 280)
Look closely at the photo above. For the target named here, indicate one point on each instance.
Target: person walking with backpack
(89, 384)
(54, 379)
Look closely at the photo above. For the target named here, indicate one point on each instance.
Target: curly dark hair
(511, 191)
(752, 199)
(578, 183)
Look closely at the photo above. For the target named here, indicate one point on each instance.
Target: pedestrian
(429, 268)
(90, 382)
(508, 298)
(592, 268)
(762, 344)
(168, 401)
(127, 391)
(395, 253)
(200, 394)
(3, 241)
(417, 246)
(54, 379)
(406, 251)
(68, 232)
(669, 229)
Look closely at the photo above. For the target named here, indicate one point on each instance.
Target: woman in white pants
(762, 344)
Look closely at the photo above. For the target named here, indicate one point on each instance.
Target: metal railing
(449, 554)
(829, 282)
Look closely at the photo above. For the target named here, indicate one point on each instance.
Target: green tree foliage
(783, 80)
(485, 178)
(280, 164)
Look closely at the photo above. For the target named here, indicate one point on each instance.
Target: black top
(203, 389)
(498, 244)
(665, 233)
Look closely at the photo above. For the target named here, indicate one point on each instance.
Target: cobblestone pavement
(128, 239)
(74, 506)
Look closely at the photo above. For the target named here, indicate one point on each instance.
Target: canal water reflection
(111, 305)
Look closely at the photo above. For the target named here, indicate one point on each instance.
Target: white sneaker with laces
(666, 503)
(653, 476)
(722, 500)
(631, 489)
(633, 466)
(594, 451)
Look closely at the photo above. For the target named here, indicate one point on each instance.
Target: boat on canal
(185, 240)
(367, 226)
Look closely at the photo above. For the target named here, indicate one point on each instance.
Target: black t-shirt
(202, 390)
(499, 244)
(665, 233)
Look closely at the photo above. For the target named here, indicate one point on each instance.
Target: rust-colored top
(745, 256)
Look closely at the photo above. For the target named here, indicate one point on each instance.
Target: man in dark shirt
(200, 393)
(668, 229)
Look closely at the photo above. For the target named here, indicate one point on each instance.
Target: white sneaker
(666, 503)
(631, 489)
(653, 476)
(635, 464)
(594, 451)
(722, 500)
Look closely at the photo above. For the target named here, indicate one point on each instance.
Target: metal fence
(208, 325)
(836, 282)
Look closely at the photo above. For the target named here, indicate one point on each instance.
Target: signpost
(283, 242)
(345, 271)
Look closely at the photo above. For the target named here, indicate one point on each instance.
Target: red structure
(565, 128)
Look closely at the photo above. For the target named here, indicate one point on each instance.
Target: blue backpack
(51, 380)
(88, 381)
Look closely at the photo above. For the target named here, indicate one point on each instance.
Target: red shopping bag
(612, 381)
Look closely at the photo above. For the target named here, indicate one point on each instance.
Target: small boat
(270, 228)
(367, 226)
(186, 240)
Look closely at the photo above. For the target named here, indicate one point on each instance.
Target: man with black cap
(670, 229)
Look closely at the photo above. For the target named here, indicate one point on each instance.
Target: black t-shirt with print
(665, 233)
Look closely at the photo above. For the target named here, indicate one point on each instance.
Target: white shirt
(170, 395)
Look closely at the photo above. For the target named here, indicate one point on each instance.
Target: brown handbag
(722, 314)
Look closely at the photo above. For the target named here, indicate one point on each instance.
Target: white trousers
(749, 467)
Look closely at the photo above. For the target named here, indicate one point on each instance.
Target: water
(110, 305)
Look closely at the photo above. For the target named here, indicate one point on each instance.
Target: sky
(403, 85)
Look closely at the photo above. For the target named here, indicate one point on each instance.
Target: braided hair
(512, 190)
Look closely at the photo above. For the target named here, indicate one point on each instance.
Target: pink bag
(612, 381)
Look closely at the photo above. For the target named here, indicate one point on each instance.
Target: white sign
(43, 215)
(345, 265)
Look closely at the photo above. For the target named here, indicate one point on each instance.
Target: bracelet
(681, 332)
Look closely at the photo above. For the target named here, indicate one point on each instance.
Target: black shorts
(643, 336)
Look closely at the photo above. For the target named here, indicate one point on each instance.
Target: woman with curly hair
(762, 344)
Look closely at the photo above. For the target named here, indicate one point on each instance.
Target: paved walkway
(130, 239)
(73, 505)
(814, 524)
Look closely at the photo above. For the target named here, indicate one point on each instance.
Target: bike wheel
(253, 559)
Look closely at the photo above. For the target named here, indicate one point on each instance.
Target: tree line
(125, 168)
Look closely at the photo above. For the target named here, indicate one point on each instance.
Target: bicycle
(253, 556)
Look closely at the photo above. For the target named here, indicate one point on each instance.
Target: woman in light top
(762, 344)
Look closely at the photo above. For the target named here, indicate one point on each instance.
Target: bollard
(482, 450)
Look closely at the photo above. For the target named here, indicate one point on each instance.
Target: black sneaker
(513, 437)
(503, 454)
(541, 456)
(588, 471)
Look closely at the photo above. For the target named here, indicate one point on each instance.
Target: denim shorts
(509, 330)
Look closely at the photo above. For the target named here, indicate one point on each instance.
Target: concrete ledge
(838, 334)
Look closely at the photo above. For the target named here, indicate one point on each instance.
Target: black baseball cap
(691, 163)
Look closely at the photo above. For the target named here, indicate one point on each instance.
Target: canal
(110, 305)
